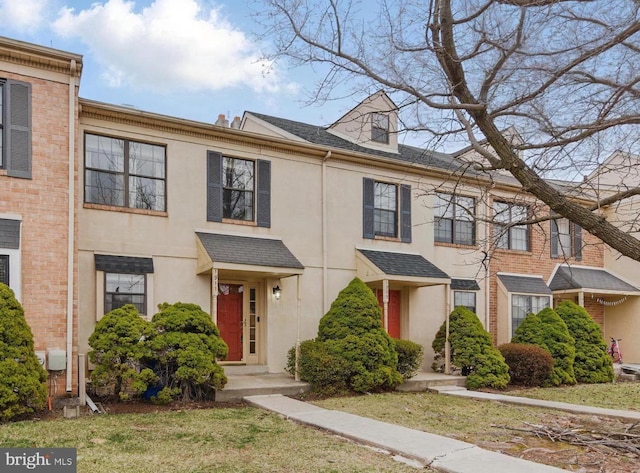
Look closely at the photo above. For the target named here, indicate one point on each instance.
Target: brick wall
(538, 262)
(43, 204)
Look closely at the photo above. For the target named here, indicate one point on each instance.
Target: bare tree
(563, 72)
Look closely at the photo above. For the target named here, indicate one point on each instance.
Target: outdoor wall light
(277, 292)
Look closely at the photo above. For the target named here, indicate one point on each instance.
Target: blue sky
(187, 58)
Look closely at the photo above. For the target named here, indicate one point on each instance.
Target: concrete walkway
(441, 453)
(632, 416)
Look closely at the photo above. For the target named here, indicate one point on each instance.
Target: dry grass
(194, 441)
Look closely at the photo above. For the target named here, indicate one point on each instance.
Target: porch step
(237, 370)
(239, 386)
(445, 388)
(426, 380)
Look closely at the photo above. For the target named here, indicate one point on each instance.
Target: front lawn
(197, 441)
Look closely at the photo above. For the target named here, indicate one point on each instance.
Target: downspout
(325, 235)
(487, 275)
(71, 222)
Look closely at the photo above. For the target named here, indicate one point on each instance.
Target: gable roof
(524, 284)
(249, 251)
(568, 278)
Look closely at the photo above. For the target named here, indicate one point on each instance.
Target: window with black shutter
(386, 210)
(566, 239)
(238, 189)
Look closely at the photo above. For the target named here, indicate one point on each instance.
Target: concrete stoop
(241, 385)
(425, 381)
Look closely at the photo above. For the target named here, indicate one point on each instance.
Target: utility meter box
(56, 359)
(42, 356)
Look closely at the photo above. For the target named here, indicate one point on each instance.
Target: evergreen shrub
(23, 387)
(327, 372)
(592, 362)
(529, 365)
(410, 356)
(119, 347)
(472, 351)
(185, 348)
(352, 332)
(547, 330)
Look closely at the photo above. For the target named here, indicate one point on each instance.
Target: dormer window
(380, 128)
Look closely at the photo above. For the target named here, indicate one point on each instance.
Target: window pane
(238, 174)
(444, 230)
(519, 238)
(104, 188)
(122, 289)
(4, 269)
(146, 160)
(443, 206)
(237, 204)
(384, 222)
(145, 193)
(385, 196)
(464, 233)
(500, 236)
(465, 208)
(465, 299)
(501, 212)
(104, 153)
(521, 306)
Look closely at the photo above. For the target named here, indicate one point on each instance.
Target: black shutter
(554, 238)
(405, 213)
(577, 241)
(18, 129)
(368, 191)
(263, 204)
(214, 186)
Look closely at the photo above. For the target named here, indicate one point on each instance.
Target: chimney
(236, 123)
(222, 121)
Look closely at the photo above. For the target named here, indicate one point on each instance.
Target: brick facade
(42, 204)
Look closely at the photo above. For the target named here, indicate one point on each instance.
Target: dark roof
(408, 154)
(464, 285)
(403, 264)
(123, 264)
(248, 250)
(524, 284)
(569, 277)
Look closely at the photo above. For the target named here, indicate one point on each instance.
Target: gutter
(325, 235)
(71, 223)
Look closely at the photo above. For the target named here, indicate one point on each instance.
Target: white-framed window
(506, 232)
(566, 239)
(454, 220)
(238, 188)
(380, 127)
(122, 289)
(466, 299)
(525, 304)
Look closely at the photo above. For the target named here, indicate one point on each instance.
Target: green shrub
(472, 351)
(119, 346)
(23, 387)
(547, 330)
(352, 329)
(592, 362)
(185, 348)
(327, 372)
(529, 365)
(410, 356)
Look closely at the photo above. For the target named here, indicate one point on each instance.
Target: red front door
(230, 302)
(393, 316)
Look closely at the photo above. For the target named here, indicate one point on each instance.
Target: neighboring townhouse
(620, 173)
(38, 171)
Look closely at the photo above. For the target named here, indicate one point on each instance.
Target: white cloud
(22, 15)
(171, 45)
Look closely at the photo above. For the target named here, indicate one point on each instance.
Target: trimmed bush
(327, 372)
(592, 362)
(185, 348)
(119, 346)
(529, 365)
(547, 330)
(472, 351)
(410, 356)
(352, 330)
(23, 387)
